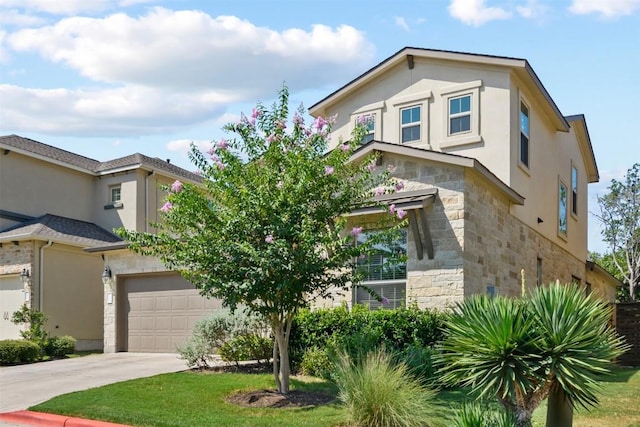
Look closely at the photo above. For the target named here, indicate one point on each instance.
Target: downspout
(41, 274)
(146, 200)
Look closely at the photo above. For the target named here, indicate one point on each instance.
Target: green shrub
(316, 363)
(419, 360)
(59, 347)
(360, 330)
(18, 351)
(378, 392)
(246, 347)
(36, 332)
(477, 414)
(216, 331)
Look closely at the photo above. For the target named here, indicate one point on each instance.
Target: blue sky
(107, 78)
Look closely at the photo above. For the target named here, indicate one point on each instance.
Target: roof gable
(408, 54)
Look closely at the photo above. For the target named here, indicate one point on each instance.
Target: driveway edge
(36, 419)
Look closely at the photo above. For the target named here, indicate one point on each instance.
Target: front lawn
(194, 399)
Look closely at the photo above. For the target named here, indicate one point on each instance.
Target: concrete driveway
(27, 385)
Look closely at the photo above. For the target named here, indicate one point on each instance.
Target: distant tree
(266, 230)
(620, 215)
(606, 261)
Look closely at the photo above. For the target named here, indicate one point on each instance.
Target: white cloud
(400, 22)
(14, 17)
(607, 8)
(191, 49)
(532, 10)
(183, 146)
(166, 69)
(475, 12)
(127, 111)
(68, 7)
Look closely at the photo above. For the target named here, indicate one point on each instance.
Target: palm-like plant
(521, 350)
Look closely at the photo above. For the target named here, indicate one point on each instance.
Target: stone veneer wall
(498, 246)
(14, 258)
(122, 263)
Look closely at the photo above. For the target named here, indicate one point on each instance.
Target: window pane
(524, 119)
(562, 209)
(454, 106)
(383, 263)
(460, 124)
(406, 116)
(411, 133)
(465, 104)
(394, 292)
(410, 115)
(524, 150)
(115, 194)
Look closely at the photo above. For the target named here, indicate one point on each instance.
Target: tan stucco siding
(33, 187)
(72, 293)
(601, 286)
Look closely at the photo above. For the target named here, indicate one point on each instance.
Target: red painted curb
(37, 419)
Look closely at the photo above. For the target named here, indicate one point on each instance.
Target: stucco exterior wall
(71, 295)
(34, 187)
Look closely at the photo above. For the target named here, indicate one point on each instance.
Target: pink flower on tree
(392, 208)
(298, 119)
(270, 139)
(319, 123)
(355, 231)
(371, 166)
(391, 168)
(176, 187)
(269, 239)
(384, 301)
(215, 158)
(255, 113)
(345, 147)
(222, 144)
(328, 170)
(399, 185)
(401, 213)
(379, 191)
(166, 207)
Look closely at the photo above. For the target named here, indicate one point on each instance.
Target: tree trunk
(284, 370)
(523, 417)
(559, 412)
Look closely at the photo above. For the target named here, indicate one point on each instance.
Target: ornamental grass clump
(379, 392)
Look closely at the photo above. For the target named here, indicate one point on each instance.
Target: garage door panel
(162, 312)
(11, 299)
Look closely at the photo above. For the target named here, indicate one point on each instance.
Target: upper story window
(459, 114)
(370, 123)
(562, 209)
(574, 190)
(524, 134)
(115, 194)
(382, 274)
(410, 123)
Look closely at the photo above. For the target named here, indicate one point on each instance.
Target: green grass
(192, 399)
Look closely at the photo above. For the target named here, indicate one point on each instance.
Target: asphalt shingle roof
(91, 165)
(60, 229)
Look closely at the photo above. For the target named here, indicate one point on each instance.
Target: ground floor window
(384, 273)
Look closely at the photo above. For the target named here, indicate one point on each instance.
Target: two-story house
(495, 176)
(58, 211)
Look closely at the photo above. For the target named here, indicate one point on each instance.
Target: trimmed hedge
(59, 347)
(360, 330)
(18, 351)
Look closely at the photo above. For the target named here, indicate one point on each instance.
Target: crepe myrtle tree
(267, 228)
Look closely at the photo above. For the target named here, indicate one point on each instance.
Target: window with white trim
(562, 209)
(115, 194)
(370, 123)
(384, 272)
(459, 114)
(410, 120)
(574, 190)
(524, 134)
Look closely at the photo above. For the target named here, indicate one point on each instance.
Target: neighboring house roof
(60, 230)
(437, 156)
(519, 66)
(598, 269)
(71, 160)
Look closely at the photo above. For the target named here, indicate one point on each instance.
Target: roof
(519, 66)
(48, 153)
(61, 230)
(436, 156)
(598, 269)
(402, 200)
(579, 124)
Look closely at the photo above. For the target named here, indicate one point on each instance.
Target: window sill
(524, 168)
(456, 141)
(117, 205)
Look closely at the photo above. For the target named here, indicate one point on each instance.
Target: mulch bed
(269, 398)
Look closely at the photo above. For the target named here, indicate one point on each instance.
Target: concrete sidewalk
(27, 385)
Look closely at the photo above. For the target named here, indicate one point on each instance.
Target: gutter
(41, 273)
(146, 200)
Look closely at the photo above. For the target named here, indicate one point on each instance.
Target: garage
(157, 312)
(11, 299)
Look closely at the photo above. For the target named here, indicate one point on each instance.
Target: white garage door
(161, 311)
(11, 299)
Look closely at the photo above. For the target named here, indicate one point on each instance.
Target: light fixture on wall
(25, 278)
(106, 276)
